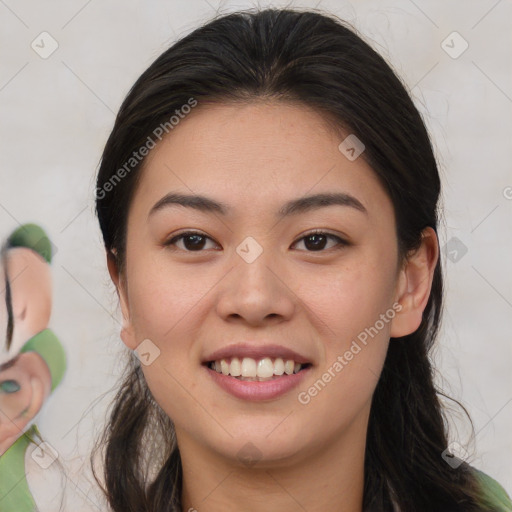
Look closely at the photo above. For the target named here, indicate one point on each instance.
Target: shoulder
(494, 492)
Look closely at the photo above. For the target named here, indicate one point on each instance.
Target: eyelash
(340, 242)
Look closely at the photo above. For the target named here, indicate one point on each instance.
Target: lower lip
(255, 390)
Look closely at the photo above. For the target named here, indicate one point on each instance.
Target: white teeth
(278, 366)
(248, 367)
(234, 368)
(265, 368)
(224, 366)
(252, 369)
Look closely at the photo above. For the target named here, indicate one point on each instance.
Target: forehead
(257, 154)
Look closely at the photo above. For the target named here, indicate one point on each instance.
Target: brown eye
(317, 241)
(192, 241)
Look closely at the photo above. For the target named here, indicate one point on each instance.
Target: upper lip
(257, 352)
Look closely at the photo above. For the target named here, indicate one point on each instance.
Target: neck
(328, 478)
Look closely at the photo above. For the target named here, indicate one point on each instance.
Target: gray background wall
(57, 113)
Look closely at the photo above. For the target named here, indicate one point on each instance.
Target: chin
(261, 447)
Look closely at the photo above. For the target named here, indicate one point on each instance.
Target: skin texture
(30, 280)
(255, 157)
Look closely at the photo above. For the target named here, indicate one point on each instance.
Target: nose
(258, 292)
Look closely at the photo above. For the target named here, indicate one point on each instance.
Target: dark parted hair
(311, 58)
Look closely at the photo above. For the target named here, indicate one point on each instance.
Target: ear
(119, 280)
(414, 285)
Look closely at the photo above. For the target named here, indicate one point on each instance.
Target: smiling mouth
(257, 370)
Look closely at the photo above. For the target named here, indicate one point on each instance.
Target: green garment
(494, 492)
(15, 494)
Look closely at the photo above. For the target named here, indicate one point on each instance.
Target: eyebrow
(293, 207)
(8, 364)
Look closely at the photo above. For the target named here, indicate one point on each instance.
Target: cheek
(162, 299)
(352, 313)
(341, 399)
(347, 299)
(167, 306)
(346, 379)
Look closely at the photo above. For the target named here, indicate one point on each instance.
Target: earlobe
(127, 334)
(414, 285)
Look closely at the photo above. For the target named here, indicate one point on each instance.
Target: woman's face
(254, 278)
